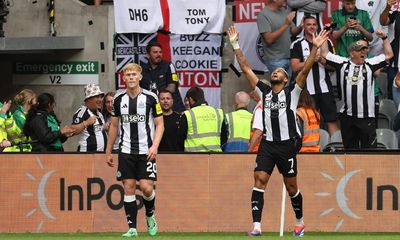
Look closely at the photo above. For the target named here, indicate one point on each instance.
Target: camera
(353, 17)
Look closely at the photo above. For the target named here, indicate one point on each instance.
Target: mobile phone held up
(330, 27)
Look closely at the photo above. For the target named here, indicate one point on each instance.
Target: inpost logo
(69, 197)
(40, 194)
(369, 194)
(340, 193)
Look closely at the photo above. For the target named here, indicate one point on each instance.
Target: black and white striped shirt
(279, 112)
(94, 137)
(356, 83)
(136, 120)
(318, 79)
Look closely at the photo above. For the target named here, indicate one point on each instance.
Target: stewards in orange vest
(309, 123)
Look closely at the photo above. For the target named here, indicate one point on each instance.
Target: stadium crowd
(346, 117)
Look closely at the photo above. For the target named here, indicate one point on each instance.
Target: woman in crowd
(21, 104)
(106, 110)
(43, 127)
(309, 122)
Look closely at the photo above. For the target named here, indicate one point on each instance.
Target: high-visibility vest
(311, 133)
(239, 127)
(204, 129)
(14, 126)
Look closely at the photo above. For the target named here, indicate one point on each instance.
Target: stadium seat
(336, 137)
(334, 147)
(384, 121)
(388, 108)
(388, 138)
(323, 139)
(398, 138)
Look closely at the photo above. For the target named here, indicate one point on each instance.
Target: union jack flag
(131, 48)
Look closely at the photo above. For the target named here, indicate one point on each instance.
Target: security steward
(239, 125)
(201, 128)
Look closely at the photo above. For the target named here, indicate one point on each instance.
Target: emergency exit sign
(57, 73)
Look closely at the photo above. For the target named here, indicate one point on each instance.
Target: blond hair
(23, 96)
(132, 67)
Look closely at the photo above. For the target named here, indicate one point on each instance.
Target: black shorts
(282, 154)
(137, 167)
(325, 103)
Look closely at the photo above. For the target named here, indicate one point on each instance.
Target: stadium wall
(198, 193)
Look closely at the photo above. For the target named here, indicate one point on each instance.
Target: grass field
(165, 236)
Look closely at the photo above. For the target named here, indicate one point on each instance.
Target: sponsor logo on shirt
(134, 118)
(274, 105)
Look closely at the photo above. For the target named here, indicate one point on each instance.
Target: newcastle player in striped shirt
(356, 84)
(279, 131)
(139, 115)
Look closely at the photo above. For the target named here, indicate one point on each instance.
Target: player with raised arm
(280, 131)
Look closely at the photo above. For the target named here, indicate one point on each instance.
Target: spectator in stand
(353, 24)
(43, 127)
(391, 16)
(318, 80)
(304, 8)
(169, 142)
(4, 107)
(275, 25)
(22, 103)
(106, 111)
(201, 128)
(239, 125)
(356, 80)
(308, 117)
(374, 9)
(376, 74)
(89, 122)
(159, 74)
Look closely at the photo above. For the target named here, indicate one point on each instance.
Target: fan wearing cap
(280, 132)
(356, 89)
(89, 122)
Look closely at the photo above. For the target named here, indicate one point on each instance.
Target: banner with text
(195, 17)
(57, 73)
(246, 13)
(138, 16)
(197, 59)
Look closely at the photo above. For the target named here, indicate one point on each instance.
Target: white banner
(198, 63)
(251, 46)
(250, 42)
(142, 16)
(196, 16)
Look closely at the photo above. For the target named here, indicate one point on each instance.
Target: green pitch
(189, 236)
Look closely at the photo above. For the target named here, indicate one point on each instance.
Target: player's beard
(276, 81)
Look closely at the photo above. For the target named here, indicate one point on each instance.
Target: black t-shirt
(158, 79)
(169, 140)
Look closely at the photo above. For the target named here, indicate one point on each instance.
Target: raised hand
(319, 39)
(290, 17)
(391, 2)
(6, 107)
(379, 33)
(233, 35)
